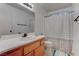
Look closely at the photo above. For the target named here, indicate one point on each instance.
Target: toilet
(49, 48)
(51, 51)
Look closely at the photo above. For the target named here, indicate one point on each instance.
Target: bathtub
(56, 52)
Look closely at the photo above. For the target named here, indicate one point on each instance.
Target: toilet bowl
(48, 43)
(49, 49)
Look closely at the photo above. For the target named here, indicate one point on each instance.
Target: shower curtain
(58, 28)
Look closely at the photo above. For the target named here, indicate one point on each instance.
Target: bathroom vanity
(23, 47)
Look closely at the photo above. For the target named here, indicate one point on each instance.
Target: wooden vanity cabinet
(16, 52)
(40, 51)
(30, 54)
(42, 42)
(33, 49)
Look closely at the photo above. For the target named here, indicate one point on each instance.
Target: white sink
(31, 37)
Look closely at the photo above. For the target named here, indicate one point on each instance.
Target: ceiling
(20, 7)
(48, 7)
(54, 6)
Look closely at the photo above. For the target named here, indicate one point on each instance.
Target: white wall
(10, 17)
(5, 19)
(75, 49)
(39, 19)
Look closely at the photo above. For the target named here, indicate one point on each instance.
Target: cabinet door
(42, 42)
(17, 52)
(40, 51)
(31, 47)
(29, 54)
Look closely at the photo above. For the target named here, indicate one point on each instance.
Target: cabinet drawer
(17, 52)
(31, 47)
(29, 54)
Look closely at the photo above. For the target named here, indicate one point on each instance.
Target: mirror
(15, 19)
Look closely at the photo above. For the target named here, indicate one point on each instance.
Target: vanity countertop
(9, 44)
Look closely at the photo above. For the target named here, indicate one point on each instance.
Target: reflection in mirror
(13, 14)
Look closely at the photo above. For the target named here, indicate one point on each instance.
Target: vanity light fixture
(28, 5)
